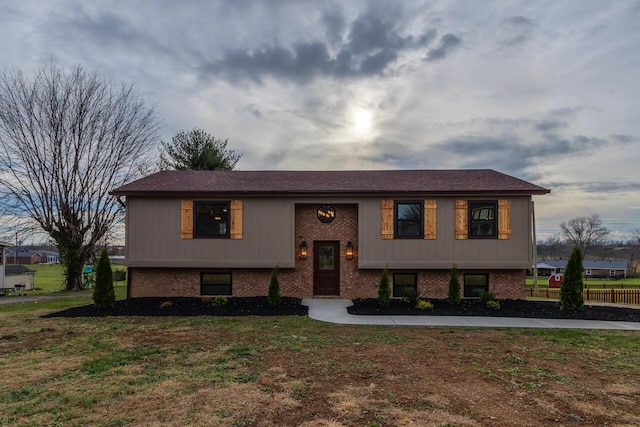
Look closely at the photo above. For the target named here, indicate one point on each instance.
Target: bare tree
(634, 254)
(67, 137)
(584, 232)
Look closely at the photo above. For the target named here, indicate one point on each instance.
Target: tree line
(593, 239)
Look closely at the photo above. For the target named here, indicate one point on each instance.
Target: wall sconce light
(303, 250)
(349, 250)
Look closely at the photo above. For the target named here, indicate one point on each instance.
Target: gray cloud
(599, 187)
(335, 25)
(517, 30)
(370, 47)
(448, 43)
(251, 109)
(548, 125)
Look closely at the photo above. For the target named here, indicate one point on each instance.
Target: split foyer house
(195, 233)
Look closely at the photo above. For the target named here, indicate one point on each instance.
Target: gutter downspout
(535, 250)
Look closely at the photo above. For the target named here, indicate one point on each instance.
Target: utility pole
(15, 251)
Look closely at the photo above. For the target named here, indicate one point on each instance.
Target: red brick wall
(172, 282)
(298, 282)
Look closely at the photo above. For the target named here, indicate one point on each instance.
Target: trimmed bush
(274, 288)
(487, 296)
(412, 296)
(454, 286)
(571, 298)
(384, 290)
(424, 305)
(221, 300)
(493, 305)
(104, 296)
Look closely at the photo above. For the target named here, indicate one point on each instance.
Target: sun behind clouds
(362, 122)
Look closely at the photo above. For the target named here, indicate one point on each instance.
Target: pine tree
(454, 286)
(384, 290)
(104, 296)
(274, 288)
(571, 298)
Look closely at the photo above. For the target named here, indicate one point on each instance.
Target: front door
(326, 268)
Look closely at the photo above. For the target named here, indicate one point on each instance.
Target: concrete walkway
(335, 311)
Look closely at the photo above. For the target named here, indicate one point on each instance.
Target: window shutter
(236, 219)
(386, 232)
(430, 219)
(504, 219)
(462, 218)
(186, 219)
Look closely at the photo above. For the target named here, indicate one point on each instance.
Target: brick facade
(298, 282)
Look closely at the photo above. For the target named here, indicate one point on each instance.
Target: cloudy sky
(547, 91)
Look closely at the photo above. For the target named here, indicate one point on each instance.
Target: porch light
(303, 250)
(349, 250)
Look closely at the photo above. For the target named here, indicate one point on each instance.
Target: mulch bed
(508, 308)
(250, 306)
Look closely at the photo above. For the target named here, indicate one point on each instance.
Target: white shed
(3, 246)
(19, 277)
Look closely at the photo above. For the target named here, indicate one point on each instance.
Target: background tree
(104, 295)
(197, 150)
(67, 137)
(634, 250)
(454, 286)
(571, 298)
(584, 232)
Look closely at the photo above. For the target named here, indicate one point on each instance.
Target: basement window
(404, 283)
(215, 283)
(475, 284)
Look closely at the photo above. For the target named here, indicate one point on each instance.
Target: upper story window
(483, 219)
(409, 220)
(211, 219)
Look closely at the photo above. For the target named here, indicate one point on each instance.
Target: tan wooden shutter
(430, 219)
(186, 219)
(504, 219)
(386, 231)
(462, 218)
(236, 219)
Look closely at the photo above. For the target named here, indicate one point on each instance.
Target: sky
(546, 91)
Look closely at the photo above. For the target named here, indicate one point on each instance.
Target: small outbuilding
(19, 278)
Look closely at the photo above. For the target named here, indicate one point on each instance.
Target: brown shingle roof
(464, 181)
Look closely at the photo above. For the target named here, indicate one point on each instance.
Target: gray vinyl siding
(445, 250)
(153, 237)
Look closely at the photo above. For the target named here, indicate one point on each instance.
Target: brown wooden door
(326, 268)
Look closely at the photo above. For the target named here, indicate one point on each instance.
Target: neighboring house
(193, 233)
(30, 256)
(17, 276)
(3, 263)
(591, 268)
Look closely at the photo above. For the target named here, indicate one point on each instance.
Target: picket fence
(616, 296)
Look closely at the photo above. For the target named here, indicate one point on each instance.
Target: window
(403, 282)
(587, 272)
(408, 220)
(483, 219)
(212, 219)
(612, 273)
(475, 284)
(215, 283)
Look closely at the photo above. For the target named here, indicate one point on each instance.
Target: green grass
(49, 278)
(629, 282)
(284, 370)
